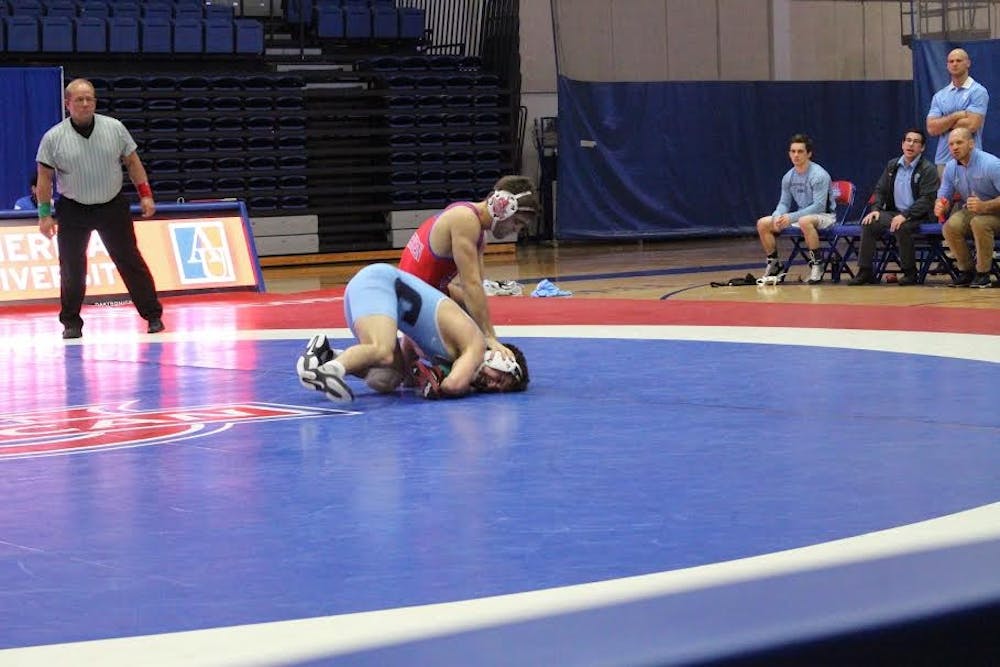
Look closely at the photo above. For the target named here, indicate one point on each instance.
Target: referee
(87, 151)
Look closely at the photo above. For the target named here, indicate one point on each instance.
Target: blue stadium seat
(357, 22)
(189, 35)
(57, 34)
(292, 182)
(196, 124)
(133, 9)
(289, 103)
(23, 34)
(198, 186)
(162, 145)
(3, 32)
(195, 145)
(97, 8)
(411, 22)
(230, 164)
(27, 8)
(134, 124)
(161, 105)
(4, 11)
(329, 20)
(198, 164)
(228, 83)
(249, 36)
(60, 8)
(292, 162)
(265, 183)
(189, 104)
(385, 22)
(298, 11)
(129, 105)
(226, 103)
(219, 11)
(193, 84)
(219, 35)
(261, 144)
(123, 34)
(227, 124)
(188, 11)
(288, 82)
(162, 167)
(262, 163)
(259, 124)
(157, 10)
(91, 34)
(291, 143)
(168, 124)
(157, 35)
(291, 123)
(159, 83)
(128, 84)
(229, 184)
(294, 201)
(228, 145)
(263, 203)
(166, 189)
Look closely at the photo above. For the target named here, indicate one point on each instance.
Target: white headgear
(502, 205)
(495, 360)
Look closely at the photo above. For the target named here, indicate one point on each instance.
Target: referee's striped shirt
(88, 169)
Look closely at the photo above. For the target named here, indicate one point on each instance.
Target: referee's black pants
(113, 223)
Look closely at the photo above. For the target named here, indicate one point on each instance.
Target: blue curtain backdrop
(32, 99)
(931, 75)
(672, 159)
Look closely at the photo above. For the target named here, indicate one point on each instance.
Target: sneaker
(491, 287)
(72, 332)
(324, 379)
(864, 277)
(773, 268)
(815, 273)
(962, 278)
(510, 288)
(155, 326)
(317, 353)
(981, 280)
(907, 279)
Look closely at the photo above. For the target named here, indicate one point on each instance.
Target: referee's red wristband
(144, 190)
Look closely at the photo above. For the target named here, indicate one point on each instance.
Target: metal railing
(952, 20)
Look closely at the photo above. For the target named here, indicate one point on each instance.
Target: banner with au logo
(185, 254)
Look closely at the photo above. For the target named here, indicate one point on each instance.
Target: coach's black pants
(871, 233)
(113, 223)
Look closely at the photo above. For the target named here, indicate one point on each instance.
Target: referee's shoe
(155, 326)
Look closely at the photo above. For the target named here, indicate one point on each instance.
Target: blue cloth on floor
(548, 288)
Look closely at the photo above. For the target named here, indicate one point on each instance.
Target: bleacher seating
(23, 33)
(123, 34)
(91, 34)
(98, 26)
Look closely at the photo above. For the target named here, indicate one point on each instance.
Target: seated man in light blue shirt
(806, 186)
(904, 198)
(29, 202)
(974, 175)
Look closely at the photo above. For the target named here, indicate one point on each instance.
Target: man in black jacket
(904, 198)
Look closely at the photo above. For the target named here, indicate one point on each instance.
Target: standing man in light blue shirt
(973, 175)
(904, 198)
(806, 186)
(960, 104)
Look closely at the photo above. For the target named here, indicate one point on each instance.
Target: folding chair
(833, 261)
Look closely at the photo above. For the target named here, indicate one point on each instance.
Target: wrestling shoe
(815, 272)
(773, 268)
